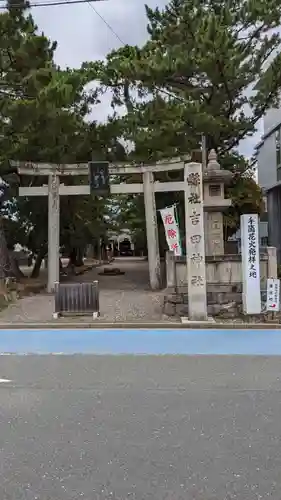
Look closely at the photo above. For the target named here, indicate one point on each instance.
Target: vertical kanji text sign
(195, 243)
(250, 263)
(273, 295)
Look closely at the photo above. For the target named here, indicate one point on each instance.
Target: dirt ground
(122, 298)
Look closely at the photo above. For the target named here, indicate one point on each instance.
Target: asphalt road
(169, 428)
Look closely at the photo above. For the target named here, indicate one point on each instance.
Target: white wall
(271, 119)
(266, 162)
(266, 150)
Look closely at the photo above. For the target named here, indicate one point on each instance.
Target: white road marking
(3, 380)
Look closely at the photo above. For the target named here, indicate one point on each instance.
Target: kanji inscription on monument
(195, 246)
(250, 263)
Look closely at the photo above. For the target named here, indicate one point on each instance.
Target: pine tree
(209, 67)
(201, 59)
(25, 62)
(42, 110)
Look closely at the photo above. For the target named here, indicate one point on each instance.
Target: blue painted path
(140, 341)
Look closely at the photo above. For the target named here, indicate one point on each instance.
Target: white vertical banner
(195, 242)
(273, 295)
(250, 263)
(171, 230)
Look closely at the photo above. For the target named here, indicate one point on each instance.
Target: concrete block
(185, 298)
(226, 310)
(223, 298)
(174, 298)
(182, 309)
(169, 309)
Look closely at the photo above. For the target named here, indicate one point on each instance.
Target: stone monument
(207, 268)
(195, 246)
(214, 181)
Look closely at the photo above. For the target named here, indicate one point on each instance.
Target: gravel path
(122, 298)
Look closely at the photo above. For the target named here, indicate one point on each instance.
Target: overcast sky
(83, 36)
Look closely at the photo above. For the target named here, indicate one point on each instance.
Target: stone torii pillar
(54, 190)
(151, 231)
(53, 231)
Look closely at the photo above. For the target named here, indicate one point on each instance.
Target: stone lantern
(214, 181)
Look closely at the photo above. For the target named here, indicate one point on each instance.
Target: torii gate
(55, 189)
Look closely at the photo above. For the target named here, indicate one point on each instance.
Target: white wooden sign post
(195, 243)
(250, 263)
(273, 295)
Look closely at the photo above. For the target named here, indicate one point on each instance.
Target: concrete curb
(98, 325)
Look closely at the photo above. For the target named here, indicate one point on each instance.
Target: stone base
(188, 321)
(111, 271)
(224, 305)
(224, 301)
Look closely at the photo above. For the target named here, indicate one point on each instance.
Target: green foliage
(190, 78)
(42, 119)
(201, 58)
(128, 213)
(245, 193)
(209, 67)
(246, 198)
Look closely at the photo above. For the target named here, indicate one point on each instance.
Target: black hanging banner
(99, 177)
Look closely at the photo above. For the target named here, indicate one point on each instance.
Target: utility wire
(163, 91)
(106, 23)
(49, 4)
(166, 92)
(155, 87)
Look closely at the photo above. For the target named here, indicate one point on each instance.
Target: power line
(50, 4)
(166, 92)
(106, 23)
(163, 91)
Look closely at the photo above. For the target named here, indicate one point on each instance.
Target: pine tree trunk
(4, 254)
(37, 266)
(99, 250)
(15, 268)
(75, 258)
(72, 260)
(79, 258)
